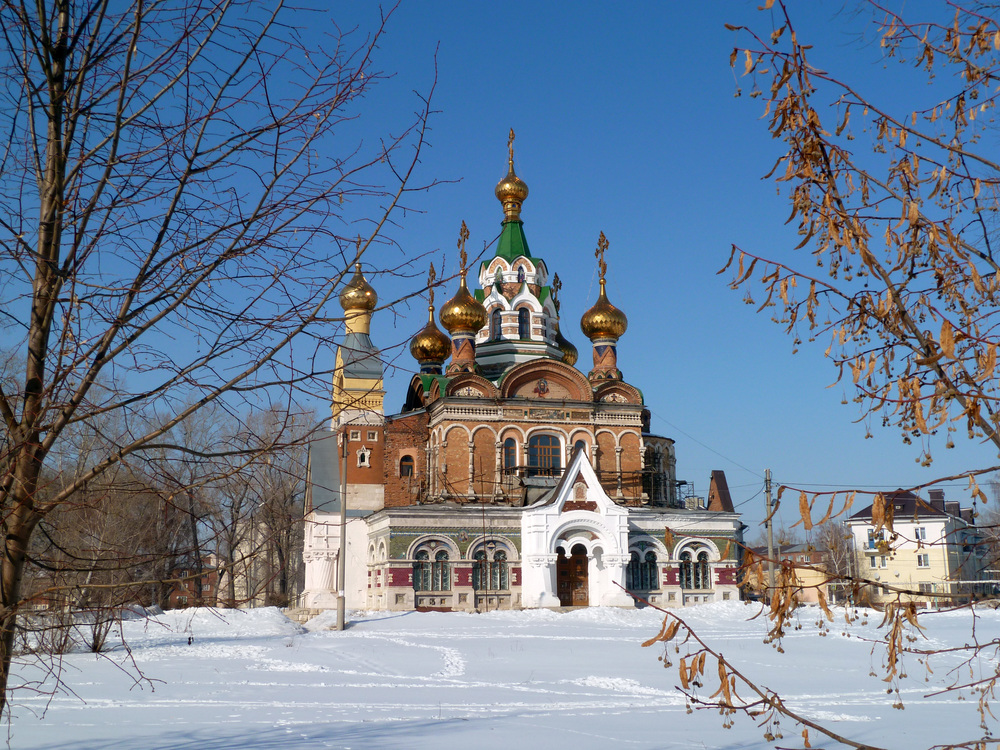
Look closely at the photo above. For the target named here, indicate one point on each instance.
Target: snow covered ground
(532, 679)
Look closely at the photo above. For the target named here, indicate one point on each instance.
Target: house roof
(361, 358)
(904, 504)
(719, 498)
(323, 477)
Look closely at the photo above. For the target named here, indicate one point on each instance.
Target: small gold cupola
(569, 353)
(430, 347)
(604, 324)
(511, 190)
(603, 320)
(463, 313)
(462, 316)
(358, 299)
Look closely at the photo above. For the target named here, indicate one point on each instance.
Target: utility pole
(342, 553)
(770, 534)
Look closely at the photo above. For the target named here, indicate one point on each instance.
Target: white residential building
(933, 552)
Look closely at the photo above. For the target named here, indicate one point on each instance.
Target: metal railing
(640, 486)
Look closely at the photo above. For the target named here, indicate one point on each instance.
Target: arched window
(695, 571)
(687, 570)
(490, 575)
(499, 575)
(495, 325)
(441, 572)
(702, 579)
(544, 455)
(523, 324)
(642, 575)
(480, 573)
(632, 571)
(406, 466)
(649, 572)
(431, 576)
(422, 571)
(509, 453)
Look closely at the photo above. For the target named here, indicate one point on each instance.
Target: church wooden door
(572, 580)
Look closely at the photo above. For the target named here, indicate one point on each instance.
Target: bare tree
(257, 517)
(840, 561)
(783, 535)
(279, 519)
(230, 521)
(177, 180)
(835, 541)
(191, 485)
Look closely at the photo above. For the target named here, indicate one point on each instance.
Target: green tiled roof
(512, 242)
(431, 382)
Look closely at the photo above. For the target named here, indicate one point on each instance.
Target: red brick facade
(365, 454)
(405, 436)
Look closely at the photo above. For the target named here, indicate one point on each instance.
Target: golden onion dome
(603, 320)
(463, 313)
(569, 352)
(430, 345)
(511, 190)
(358, 294)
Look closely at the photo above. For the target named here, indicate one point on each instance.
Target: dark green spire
(512, 242)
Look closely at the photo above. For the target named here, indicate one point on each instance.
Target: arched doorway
(572, 581)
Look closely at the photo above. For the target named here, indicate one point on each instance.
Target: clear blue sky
(626, 122)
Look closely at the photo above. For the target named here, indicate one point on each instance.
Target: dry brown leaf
(829, 511)
(658, 636)
(804, 511)
(947, 339)
(823, 604)
(671, 631)
(878, 511)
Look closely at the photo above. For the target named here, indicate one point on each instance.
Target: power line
(755, 495)
(706, 447)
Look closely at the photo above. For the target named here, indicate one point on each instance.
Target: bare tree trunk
(195, 548)
(19, 527)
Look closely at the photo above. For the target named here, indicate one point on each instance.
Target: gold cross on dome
(510, 148)
(463, 235)
(556, 287)
(431, 277)
(602, 246)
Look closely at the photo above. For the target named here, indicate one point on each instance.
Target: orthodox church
(510, 478)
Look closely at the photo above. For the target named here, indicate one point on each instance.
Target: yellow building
(932, 553)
